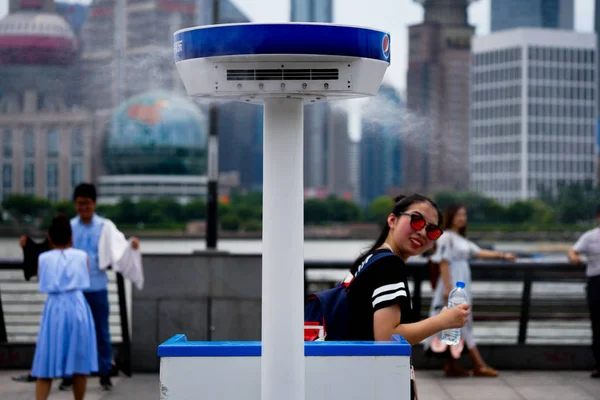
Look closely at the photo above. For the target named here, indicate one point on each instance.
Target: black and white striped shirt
(382, 284)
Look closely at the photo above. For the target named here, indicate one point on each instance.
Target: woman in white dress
(453, 251)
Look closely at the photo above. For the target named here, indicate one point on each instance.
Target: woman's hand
(509, 256)
(455, 317)
(574, 257)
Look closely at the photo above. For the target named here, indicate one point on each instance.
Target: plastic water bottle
(457, 296)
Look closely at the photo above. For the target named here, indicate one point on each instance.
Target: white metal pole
(282, 361)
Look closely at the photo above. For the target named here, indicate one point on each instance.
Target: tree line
(570, 205)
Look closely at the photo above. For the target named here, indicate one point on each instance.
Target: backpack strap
(370, 260)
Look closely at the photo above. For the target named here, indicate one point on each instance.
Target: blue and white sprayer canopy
(250, 62)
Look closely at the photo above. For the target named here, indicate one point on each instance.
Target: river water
(314, 250)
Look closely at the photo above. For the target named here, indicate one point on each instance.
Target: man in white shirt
(589, 246)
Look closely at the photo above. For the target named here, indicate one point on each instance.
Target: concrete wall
(207, 296)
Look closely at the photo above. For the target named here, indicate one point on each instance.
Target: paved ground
(138, 387)
(511, 385)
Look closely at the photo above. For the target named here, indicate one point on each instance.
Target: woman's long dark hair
(401, 204)
(449, 215)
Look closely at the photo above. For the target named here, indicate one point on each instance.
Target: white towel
(116, 251)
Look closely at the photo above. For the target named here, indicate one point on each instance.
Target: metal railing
(123, 347)
(522, 305)
(507, 306)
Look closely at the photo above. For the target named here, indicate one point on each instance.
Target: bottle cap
(460, 284)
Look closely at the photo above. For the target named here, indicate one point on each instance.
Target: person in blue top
(66, 343)
(87, 229)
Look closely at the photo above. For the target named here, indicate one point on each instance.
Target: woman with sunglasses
(379, 303)
(452, 254)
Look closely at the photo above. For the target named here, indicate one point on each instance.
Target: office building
(436, 154)
(381, 166)
(312, 10)
(533, 112)
(45, 139)
(316, 116)
(510, 14)
(337, 154)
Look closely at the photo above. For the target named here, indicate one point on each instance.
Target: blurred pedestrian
(589, 245)
(453, 252)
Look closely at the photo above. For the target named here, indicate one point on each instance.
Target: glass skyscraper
(315, 116)
(508, 14)
(312, 10)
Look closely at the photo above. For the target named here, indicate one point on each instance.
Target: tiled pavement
(510, 385)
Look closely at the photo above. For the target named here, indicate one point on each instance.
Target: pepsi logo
(385, 46)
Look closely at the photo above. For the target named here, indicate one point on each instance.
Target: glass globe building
(156, 133)
(155, 146)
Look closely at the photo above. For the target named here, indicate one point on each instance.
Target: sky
(393, 16)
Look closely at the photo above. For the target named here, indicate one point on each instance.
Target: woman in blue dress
(66, 344)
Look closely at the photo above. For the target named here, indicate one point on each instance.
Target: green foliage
(576, 203)
(252, 225)
(534, 211)
(569, 208)
(480, 208)
(26, 209)
(230, 222)
(144, 210)
(330, 210)
(224, 209)
(316, 212)
(244, 211)
(171, 209)
(343, 210)
(570, 204)
(125, 212)
(195, 210)
(64, 207)
(379, 209)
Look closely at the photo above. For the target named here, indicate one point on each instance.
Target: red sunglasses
(417, 222)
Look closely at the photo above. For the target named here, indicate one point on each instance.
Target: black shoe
(595, 373)
(66, 384)
(24, 378)
(105, 383)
